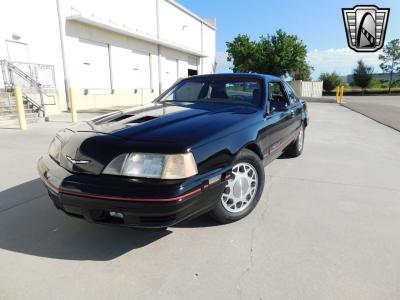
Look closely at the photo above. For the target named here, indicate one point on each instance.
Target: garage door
(141, 66)
(94, 66)
(131, 69)
(170, 73)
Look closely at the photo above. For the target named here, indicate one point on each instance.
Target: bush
(396, 83)
(330, 81)
(375, 84)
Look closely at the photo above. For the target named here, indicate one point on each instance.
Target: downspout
(158, 47)
(63, 56)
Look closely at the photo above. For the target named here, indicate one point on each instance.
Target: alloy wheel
(241, 188)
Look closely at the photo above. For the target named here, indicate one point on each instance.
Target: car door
(275, 129)
(295, 109)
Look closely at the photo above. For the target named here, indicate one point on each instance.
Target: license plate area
(110, 217)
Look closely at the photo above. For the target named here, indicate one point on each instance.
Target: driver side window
(277, 93)
(277, 97)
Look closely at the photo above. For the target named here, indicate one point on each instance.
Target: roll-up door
(170, 72)
(131, 69)
(94, 65)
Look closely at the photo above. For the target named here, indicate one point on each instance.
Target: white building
(110, 52)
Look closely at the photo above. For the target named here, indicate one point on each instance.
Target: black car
(199, 147)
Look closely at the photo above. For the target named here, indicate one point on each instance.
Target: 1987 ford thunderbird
(200, 147)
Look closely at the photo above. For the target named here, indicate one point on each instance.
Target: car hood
(184, 123)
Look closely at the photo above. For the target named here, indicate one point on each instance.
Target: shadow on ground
(30, 224)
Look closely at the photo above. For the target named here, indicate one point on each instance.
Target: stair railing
(39, 108)
(11, 72)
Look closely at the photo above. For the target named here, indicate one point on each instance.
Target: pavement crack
(251, 247)
(248, 269)
(250, 265)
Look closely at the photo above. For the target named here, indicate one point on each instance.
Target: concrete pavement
(327, 227)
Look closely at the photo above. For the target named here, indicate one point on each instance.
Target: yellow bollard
(20, 107)
(73, 108)
(341, 94)
(337, 94)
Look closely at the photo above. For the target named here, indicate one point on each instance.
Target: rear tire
(296, 148)
(243, 190)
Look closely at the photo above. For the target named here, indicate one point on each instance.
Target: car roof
(265, 77)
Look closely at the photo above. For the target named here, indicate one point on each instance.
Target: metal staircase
(9, 115)
(33, 92)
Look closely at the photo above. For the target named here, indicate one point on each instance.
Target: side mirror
(278, 106)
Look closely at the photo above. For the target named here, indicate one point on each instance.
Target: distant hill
(377, 76)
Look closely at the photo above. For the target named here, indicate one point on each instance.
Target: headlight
(149, 165)
(55, 149)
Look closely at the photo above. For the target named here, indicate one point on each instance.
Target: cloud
(341, 60)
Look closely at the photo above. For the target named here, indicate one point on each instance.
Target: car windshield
(243, 91)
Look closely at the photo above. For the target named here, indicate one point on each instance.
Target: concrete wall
(135, 67)
(209, 63)
(136, 14)
(311, 89)
(179, 27)
(105, 66)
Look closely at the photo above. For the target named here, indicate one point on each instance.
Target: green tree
(304, 73)
(391, 59)
(362, 75)
(279, 54)
(330, 81)
(242, 51)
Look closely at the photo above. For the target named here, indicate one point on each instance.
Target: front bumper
(130, 202)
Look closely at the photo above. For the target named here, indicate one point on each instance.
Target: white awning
(133, 33)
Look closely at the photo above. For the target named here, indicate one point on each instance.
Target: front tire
(243, 190)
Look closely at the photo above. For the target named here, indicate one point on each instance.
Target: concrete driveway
(327, 227)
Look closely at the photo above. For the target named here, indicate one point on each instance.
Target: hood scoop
(120, 118)
(132, 119)
(142, 120)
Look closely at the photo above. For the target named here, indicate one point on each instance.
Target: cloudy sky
(318, 23)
